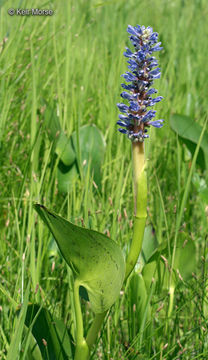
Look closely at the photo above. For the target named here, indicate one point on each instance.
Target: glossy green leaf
(64, 149)
(67, 176)
(139, 310)
(50, 333)
(189, 131)
(53, 250)
(73, 159)
(31, 349)
(96, 260)
(63, 145)
(162, 249)
(158, 272)
(92, 148)
(184, 264)
(149, 244)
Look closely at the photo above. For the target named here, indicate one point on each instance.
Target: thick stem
(82, 350)
(136, 245)
(95, 328)
(171, 299)
(140, 205)
(138, 168)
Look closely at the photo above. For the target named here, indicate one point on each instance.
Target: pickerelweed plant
(96, 261)
(137, 118)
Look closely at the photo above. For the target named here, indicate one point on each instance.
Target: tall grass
(73, 61)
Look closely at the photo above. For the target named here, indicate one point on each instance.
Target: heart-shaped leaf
(92, 148)
(189, 131)
(63, 145)
(67, 176)
(64, 149)
(50, 333)
(184, 264)
(138, 302)
(158, 271)
(149, 244)
(32, 350)
(73, 158)
(97, 261)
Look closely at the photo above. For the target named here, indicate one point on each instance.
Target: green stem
(82, 350)
(140, 205)
(171, 300)
(138, 167)
(95, 328)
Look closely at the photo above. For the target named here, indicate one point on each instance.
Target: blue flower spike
(143, 69)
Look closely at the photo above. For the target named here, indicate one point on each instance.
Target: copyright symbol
(11, 12)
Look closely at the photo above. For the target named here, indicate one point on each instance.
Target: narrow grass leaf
(15, 346)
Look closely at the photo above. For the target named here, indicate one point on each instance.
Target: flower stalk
(140, 205)
(136, 119)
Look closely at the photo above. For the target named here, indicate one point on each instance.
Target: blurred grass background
(73, 61)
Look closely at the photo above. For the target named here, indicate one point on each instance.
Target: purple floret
(143, 71)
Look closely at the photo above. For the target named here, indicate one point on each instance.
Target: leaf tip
(41, 210)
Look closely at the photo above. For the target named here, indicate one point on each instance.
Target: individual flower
(143, 69)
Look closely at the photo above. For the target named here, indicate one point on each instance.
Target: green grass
(73, 61)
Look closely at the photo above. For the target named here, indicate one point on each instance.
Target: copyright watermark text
(32, 12)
